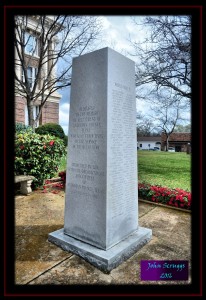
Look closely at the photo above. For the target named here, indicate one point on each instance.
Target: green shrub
(65, 140)
(37, 155)
(21, 128)
(52, 129)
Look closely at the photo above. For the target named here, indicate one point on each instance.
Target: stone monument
(101, 206)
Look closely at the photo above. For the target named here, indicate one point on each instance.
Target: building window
(140, 145)
(31, 44)
(31, 75)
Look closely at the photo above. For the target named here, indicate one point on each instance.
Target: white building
(148, 142)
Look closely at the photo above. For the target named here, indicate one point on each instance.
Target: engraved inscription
(86, 123)
(86, 172)
(85, 136)
(123, 166)
(87, 118)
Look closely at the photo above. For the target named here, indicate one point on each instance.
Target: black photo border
(193, 289)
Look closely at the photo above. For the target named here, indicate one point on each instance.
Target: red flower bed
(51, 187)
(173, 197)
(63, 176)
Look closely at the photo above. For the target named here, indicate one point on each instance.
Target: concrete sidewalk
(40, 262)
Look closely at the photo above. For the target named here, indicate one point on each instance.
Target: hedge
(37, 155)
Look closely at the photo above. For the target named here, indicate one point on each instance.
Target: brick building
(50, 111)
(179, 140)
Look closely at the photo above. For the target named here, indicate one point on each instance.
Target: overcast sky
(116, 33)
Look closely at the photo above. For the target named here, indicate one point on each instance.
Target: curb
(164, 205)
(54, 179)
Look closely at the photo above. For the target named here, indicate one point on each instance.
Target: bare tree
(144, 125)
(168, 111)
(183, 128)
(51, 40)
(164, 57)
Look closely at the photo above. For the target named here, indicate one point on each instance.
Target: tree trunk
(30, 113)
(167, 142)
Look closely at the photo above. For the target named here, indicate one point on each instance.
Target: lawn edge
(164, 205)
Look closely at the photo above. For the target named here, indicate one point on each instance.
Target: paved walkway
(40, 262)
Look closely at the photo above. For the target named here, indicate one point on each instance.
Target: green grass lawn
(167, 169)
(62, 165)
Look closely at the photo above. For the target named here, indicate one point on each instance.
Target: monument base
(105, 260)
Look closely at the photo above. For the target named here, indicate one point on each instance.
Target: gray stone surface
(39, 262)
(25, 183)
(105, 260)
(21, 178)
(101, 207)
